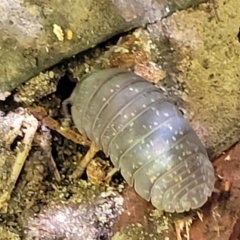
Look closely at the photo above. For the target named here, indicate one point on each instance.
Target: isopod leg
(110, 174)
(85, 161)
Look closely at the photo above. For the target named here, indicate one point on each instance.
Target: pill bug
(146, 137)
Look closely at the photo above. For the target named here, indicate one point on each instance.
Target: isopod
(146, 137)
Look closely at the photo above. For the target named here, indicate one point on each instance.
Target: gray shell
(146, 137)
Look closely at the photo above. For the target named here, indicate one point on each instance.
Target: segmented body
(146, 137)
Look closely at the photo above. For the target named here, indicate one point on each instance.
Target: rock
(38, 35)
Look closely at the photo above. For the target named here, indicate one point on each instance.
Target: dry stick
(45, 144)
(85, 161)
(41, 114)
(15, 130)
(53, 168)
(23, 149)
(67, 133)
(22, 153)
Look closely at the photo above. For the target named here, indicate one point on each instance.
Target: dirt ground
(39, 151)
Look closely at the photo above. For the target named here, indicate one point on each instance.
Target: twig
(85, 161)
